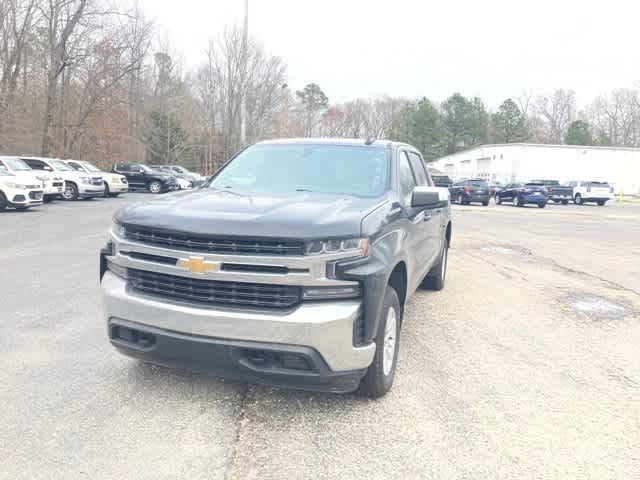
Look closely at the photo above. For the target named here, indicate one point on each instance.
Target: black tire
(498, 200)
(460, 201)
(3, 202)
(601, 203)
(47, 199)
(106, 194)
(578, 199)
(113, 195)
(155, 187)
(565, 202)
(376, 383)
(70, 191)
(485, 204)
(436, 277)
(542, 205)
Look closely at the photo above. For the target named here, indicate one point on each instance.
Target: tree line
(88, 79)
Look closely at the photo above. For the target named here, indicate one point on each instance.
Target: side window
(75, 166)
(123, 167)
(406, 180)
(35, 164)
(418, 169)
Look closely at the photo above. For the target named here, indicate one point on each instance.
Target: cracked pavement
(525, 366)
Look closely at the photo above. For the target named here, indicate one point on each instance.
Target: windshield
(90, 168)
(16, 164)
(350, 170)
(61, 166)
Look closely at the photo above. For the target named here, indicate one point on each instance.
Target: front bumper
(87, 191)
(118, 187)
(24, 198)
(51, 190)
(321, 331)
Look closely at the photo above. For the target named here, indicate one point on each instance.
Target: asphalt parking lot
(527, 365)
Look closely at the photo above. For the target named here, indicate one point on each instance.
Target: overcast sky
(493, 48)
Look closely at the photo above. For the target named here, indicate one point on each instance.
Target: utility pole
(283, 110)
(243, 103)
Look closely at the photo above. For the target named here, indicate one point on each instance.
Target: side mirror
(48, 168)
(430, 197)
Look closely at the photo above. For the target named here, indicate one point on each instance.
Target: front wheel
(498, 200)
(106, 190)
(565, 202)
(578, 199)
(460, 201)
(3, 202)
(485, 204)
(70, 191)
(601, 203)
(380, 374)
(542, 205)
(155, 187)
(516, 201)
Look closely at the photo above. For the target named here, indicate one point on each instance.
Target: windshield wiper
(303, 190)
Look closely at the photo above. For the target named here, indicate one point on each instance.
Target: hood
(221, 212)
(47, 176)
(27, 178)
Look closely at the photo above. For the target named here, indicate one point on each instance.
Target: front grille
(57, 184)
(196, 243)
(35, 195)
(215, 292)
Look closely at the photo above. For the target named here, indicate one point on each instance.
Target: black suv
(143, 177)
(291, 266)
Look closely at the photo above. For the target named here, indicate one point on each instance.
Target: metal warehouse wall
(522, 162)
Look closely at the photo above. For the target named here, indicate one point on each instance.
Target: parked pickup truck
(557, 193)
(591, 191)
(291, 266)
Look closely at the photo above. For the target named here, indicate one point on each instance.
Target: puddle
(597, 307)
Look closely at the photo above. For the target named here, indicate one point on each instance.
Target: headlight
(119, 228)
(85, 180)
(357, 246)
(20, 186)
(335, 292)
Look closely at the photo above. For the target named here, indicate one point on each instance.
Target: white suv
(19, 191)
(114, 183)
(76, 184)
(591, 191)
(53, 184)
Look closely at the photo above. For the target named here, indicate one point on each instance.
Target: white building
(516, 162)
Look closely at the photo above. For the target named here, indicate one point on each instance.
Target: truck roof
(352, 142)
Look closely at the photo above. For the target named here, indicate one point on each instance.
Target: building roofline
(541, 145)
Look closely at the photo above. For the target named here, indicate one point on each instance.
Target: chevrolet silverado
(291, 266)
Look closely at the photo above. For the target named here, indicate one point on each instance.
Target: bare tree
(557, 111)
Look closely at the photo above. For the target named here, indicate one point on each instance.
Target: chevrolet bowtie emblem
(198, 265)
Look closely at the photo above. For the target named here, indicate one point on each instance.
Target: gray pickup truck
(557, 193)
(291, 266)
